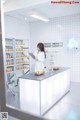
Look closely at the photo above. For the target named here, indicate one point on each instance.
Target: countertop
(32, 76)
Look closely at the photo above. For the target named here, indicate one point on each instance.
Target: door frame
(6, 108)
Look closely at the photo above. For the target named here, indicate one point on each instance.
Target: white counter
(39, 93)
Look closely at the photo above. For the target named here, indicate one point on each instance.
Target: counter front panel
(39, 93)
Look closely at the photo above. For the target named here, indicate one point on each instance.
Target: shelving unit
(22, 61)
(17, 59)
(51, 54)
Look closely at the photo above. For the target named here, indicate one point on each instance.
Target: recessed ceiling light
(40, 17)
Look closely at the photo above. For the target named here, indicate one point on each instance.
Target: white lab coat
(39, 65)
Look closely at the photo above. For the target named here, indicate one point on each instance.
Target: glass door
(14, 62)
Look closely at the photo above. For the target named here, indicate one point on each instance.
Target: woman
(40, 56)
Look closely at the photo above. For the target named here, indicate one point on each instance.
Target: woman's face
(38, 49)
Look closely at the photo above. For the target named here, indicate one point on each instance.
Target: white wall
(15, 28)
(59, 30)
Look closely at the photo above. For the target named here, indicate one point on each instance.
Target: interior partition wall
(4, 107)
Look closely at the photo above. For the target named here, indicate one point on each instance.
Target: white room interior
(63, 25)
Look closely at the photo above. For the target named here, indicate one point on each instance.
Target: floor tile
(67, 108)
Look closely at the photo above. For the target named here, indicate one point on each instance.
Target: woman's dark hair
(41, 47)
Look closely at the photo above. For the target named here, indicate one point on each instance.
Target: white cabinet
(16, 59)
(38, 96)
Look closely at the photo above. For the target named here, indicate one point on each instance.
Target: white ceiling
(48, 10)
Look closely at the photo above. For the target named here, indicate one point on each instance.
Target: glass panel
(25, 90)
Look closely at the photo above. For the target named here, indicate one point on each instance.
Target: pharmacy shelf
(25, 48)
(22, 63)
(10, 72)
(20, 51)
(9, 65)
(23, 69)
(20, 45)
(20, 57)
(13, 48)
(9, 51)
(9, 58)
(9, 45)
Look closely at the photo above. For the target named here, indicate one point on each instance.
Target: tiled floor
(68, 108)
